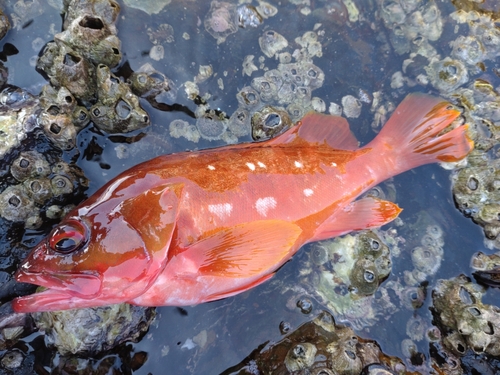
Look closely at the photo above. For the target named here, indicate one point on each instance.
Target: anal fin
(362, 214)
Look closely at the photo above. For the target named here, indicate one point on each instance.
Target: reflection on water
(217, 69)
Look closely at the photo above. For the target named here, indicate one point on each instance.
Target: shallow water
(353, 58)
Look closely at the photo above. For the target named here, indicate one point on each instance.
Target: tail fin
(416, 134)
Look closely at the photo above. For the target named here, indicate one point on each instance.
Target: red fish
(193, 227)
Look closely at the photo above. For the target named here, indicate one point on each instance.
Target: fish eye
(68, 237)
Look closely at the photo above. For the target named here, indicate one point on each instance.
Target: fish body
(193, 227)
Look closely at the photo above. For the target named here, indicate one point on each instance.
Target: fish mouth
(47, 300)
(82, 285)
(63, 291)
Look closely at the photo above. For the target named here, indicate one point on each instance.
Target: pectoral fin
(245, 250)
(233, 292)
(364, 213)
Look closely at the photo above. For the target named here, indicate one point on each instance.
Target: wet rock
(93, 330)
(4, 24)
(486, 268)
(150, 7)
(319, 346)
(464, 321)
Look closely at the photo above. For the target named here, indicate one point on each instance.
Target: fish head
(100, 254)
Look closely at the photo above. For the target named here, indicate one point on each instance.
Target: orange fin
(318, 127)
(416, 131)
(153, 215)
(245, 250)
(216, 296)
(364, 213)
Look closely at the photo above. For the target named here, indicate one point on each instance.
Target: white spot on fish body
(251, 166)
(298, 164)
(308, 192)
(221, 210)
(263, 205)
(211, 167)
(334, 164)
(261, 164)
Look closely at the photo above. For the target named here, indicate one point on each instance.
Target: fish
(193, 227)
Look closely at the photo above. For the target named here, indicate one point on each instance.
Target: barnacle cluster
(411, 24)
(282, 95)
(91, 331)
(475, 187)
(320, 346)
(224, 18)
(344, 273)
(458, 72)
(80, 58)
(117, 109)
(54, 112)
(464, 320)
(151, 84)
(40, 186)
(427, 256)
(82, 88)
(18, 119)
(37, 133)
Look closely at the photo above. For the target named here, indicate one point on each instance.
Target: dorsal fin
(318, 127)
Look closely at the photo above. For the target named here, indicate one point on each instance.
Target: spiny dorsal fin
(317, 127)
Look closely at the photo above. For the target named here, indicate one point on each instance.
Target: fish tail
(421, 131)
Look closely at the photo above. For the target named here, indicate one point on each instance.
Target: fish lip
(82, 285)
(47, 300)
